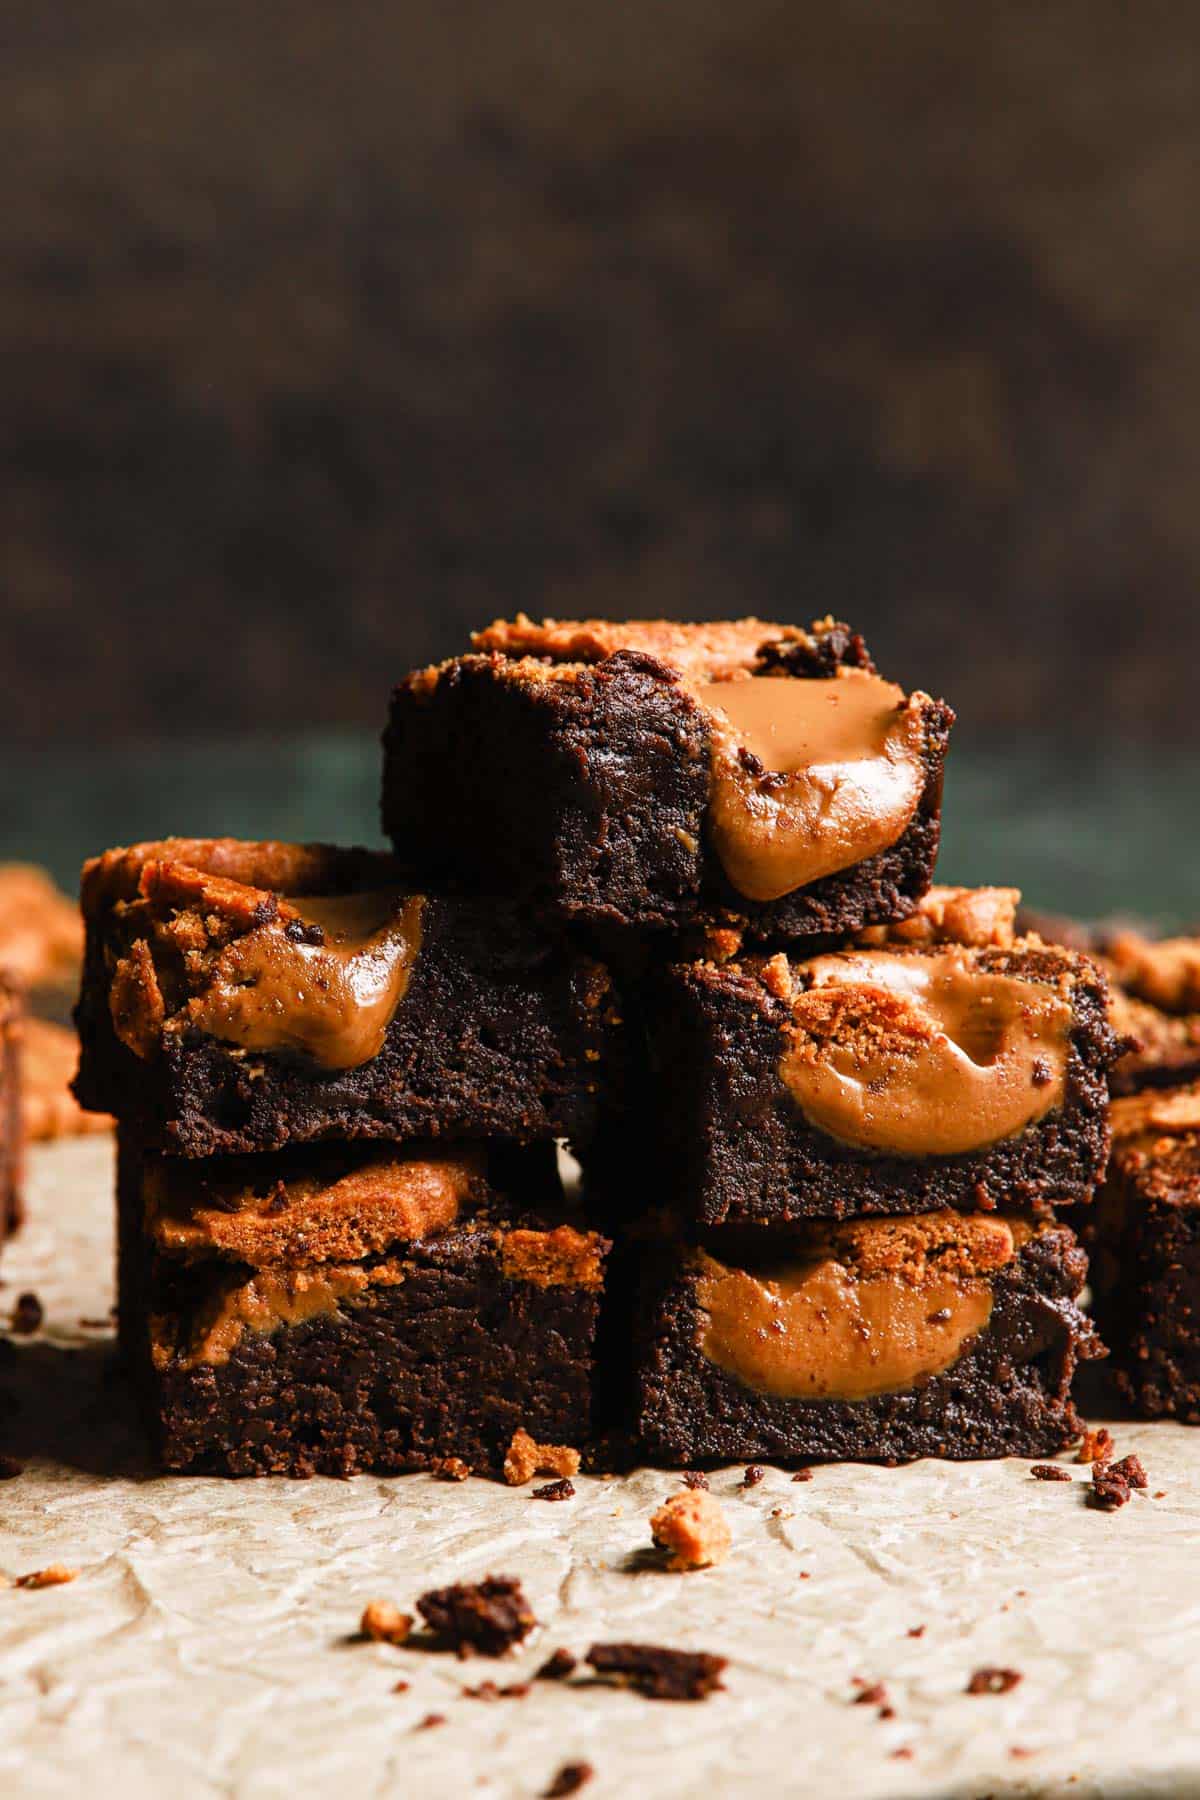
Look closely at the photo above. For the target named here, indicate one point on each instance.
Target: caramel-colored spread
(981, 917)
(268, 1300)
(809, 776)
(325, 981)
(874, 1308)
(1163, 971)
(924, 1055)
(334, 1209)
(1167, 1112)
(707, 650)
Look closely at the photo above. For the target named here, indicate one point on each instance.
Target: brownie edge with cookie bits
(240, 997)
(357, 1308)
(651, 776)
(888, 1078)
(1143, 1236)
(873, 1340)
(11, 1129)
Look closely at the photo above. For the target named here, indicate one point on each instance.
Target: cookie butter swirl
(924, 1055)
(324, 982)
(875, 1308)
(809, 776)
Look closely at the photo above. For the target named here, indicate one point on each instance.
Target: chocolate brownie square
(350, 1307)
(941, 1063)
(11, 1130)
(1144, 1239)
(653, 775)
(937, 1334)
(239, 997)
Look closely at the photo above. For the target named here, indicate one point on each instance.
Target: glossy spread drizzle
(924, 1055)
(834, 771)
(329, 993)
(825, 1330)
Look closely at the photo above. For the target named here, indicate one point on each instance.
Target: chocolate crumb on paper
(28, 1314)
(490, 1690)
(488, 1616)
(993, 1681)
(659, 1673)
(384, 1623)
(570, 1778)
(1050, 1472)
(1130, 1469)
(555, 1490)
(430, 1722)
(1109, 1489)
(53, 1576)
(558, 1666)
(754, 1474)
(804, 1474)
(692, 1529)
(694, 1478)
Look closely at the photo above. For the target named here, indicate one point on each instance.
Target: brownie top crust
(858, 1309)
(326, 1204)
(265, 946)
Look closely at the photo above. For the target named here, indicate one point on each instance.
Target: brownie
(11, 1131)
(238, 997)
(652, 775)
(944, 1063)
(937, 1334)
(1144, 1238)
(357, 1308)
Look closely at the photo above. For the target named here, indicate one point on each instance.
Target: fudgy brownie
(937, 1334)
(11, 1133)
(354, 1308)
(943, 1063)
(652, 774)
(1144, 1239)
(240, 997)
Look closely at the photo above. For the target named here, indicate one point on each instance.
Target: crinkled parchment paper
(204, 1647)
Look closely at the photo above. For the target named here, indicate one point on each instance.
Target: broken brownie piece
(11, 1133)
(240, 997)
(360, 1308)
(652, 774)
(941, 1334)
(659, 1673)
(488, 1616)
(1144, 1239)
(890, 1078)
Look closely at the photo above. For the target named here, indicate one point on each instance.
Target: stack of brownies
(663, 892)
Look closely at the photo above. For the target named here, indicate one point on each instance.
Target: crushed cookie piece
(993, 1681)
(558, 1666)
(570, 1778)
(555, 1490)
(804, 1474)
(1109, 1489)
(694, 1478)
(1050, 1472)
(1097, 1446)
(430, 1721)
(754, 1474)
(27, 1316)
(384, 1623)
(54, 1576)
(450, 1468)
(10, 1468)
(1130, 1469)
(526, 1458)
(658, 1673)
(691, 1528)
(488, 1616)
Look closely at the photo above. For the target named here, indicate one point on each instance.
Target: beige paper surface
(202, 1650)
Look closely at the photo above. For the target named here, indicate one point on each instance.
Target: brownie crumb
(429, 1722)
(1131, 1471)
(658, 1673)
(1109, 1487)
(1097, 1446)
(526, 1458)
(558, 1666)
(489, 1690)
(753, 1475)
(384, 1623)
(28, 1314)
(691, 1528)
(555, 1490)
(401, 1687)
(570, 1778)
(916, 1631)
(902, 1754)
(10, 1468)
(54, 1576)
(488, 1616)
(993, 1681)
(450, 1468)
(1050, 1472)
(870, 1693)
(803, 1475)
(694, 1478)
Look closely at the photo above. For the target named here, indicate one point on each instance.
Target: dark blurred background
(330, 331)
